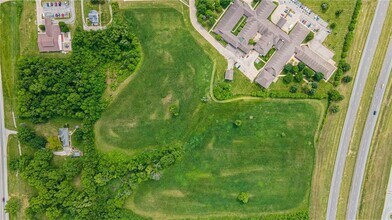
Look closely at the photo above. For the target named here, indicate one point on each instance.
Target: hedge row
(350, 34)
(280, 94)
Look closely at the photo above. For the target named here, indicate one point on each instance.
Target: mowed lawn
(270, 155)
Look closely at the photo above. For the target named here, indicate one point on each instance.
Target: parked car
(375, 112)
(59, 3)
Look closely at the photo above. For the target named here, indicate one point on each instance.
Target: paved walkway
(230, 57)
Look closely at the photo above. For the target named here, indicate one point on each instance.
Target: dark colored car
(374, 113)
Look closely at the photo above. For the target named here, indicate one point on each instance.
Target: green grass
(270, 155)
(268, 55)
(259, 65)
(336, 39)
(17, 187)
(240, 24)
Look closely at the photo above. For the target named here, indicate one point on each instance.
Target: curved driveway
(356, 94)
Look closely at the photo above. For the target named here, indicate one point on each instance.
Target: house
(229, 75)
(51, 39)
(93, 17)
(64, 137)
(287, 45)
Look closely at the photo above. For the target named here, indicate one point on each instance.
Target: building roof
(229, 75)
(93, 16)
(287, 45)
(49, 41)
(315, 61)
(64, 136)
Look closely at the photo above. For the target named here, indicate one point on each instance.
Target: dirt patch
(233, 172)
(173, 193)
(113, 134)
(153, 116)
(168, 98)
(210, 144)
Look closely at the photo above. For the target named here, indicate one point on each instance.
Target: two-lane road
(360, 165)
(359, 84)
(3, 158)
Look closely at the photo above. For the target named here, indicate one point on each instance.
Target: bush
(347, 79)
(243, 197)
(252, 42)
(344, 66)
(309, 37)
(174, 110)
(238, 123)
(338, 12)
(314, 85)
(288, 78)
(295, 69)
(301, 66)
(334, 109)
(308, 72)
(294, 88)
(28, 137)
(335, 96)
(288, 68)
(299, 77)
(225, 3)
(332, 25)
(12, 206)
(318, 76)
(42, 27)
(63, 27)
(324, 6)
(223, 91)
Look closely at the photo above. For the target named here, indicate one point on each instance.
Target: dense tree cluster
(351, 27)
(28, 137)
(223, 91)
(208, 10)
(73, 86)
(106, 183)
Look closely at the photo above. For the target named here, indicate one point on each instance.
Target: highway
(3, 157)
(359, 84)
(360, 165)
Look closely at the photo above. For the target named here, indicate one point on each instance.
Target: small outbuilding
(229, 75)
(64, 137)
(93, 17)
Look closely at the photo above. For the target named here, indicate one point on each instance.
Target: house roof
(64, 136)
(49, 41)
(93, 16)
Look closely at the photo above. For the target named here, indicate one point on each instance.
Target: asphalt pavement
(360, 165)
(359, 84)
(3, 158)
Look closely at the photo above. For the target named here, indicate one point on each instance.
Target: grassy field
(336, 39)
(330, 134)
(374, 180)
(17, 187)
(379, 164)
(270, 155)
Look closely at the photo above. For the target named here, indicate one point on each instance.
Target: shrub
(338, 12)
(225, 3)
(301, 66)
(324, 6)
(238, 123)
(295, 69)
(252, 42)
(299, 77)
(223, 91)
(42, 27)
(314, 85)
(12, 206)
(294, 88)
(63, 27)
(218, 37)
(347, 79)
(312, 92)
(288, 78)
(318, 76)
(288, 68)
(308, 72)
(335, 96)
(309, 37)
(334, 109)
(174, 110)
(243, 197)
(332, 25)
(344, 66)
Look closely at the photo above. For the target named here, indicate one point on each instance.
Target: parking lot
(56, 9)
